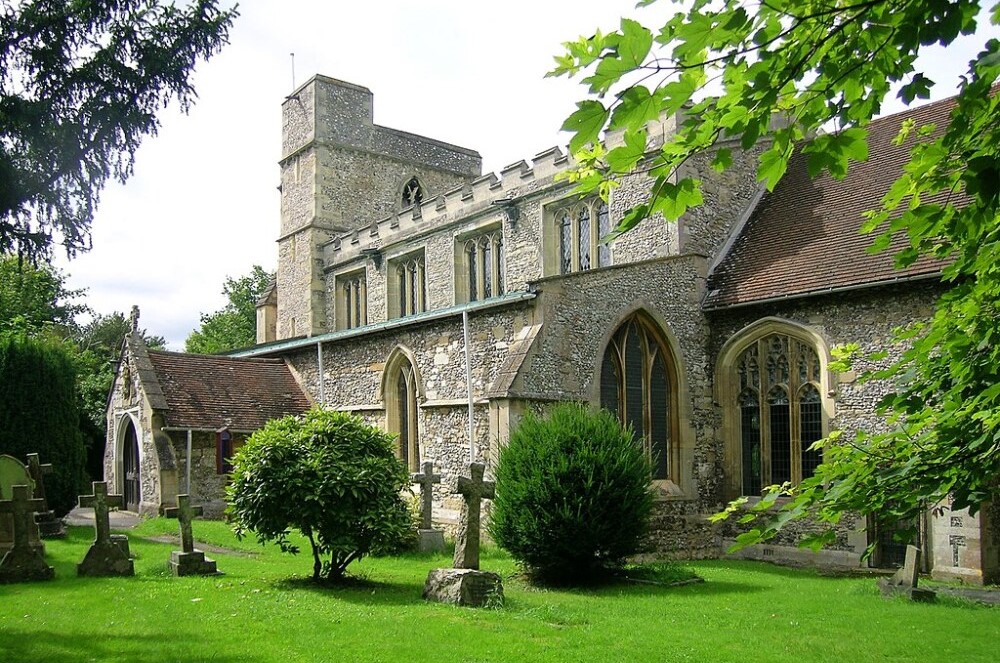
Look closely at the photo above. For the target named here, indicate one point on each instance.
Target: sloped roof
(803, 237)
(209, 392)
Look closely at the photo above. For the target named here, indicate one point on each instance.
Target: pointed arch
(128, 462)
(775, 390)
(401, 394)
(411, 192)
(638, 381)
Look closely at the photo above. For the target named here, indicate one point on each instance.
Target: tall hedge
(38, 414)
(572, 495)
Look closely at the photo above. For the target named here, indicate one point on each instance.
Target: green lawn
(263, 609)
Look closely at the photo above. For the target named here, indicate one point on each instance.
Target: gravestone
(23, 562)
(49, 527)
(14, 473)
(430, 539)
(474, 490)
(108, 554)
(466, 584)
(905, 579)
(188, 561)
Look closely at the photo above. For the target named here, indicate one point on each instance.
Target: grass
(264, 609)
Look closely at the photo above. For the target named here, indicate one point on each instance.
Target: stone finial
(134, 318)
(426, 479)
(474, 489)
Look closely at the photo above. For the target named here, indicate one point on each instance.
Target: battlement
(514, 180)
(461, 201)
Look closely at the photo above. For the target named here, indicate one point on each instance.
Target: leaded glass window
(637, 385)
(485, 263)
(580, 228)
(401, 407)
(411, 287)
(353, 301)
(780, 411)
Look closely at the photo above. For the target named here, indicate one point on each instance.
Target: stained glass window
(580, 228)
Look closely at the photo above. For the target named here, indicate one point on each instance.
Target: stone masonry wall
(866, 317)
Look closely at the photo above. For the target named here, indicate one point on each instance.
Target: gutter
(388, 325)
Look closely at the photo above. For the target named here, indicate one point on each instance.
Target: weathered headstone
(14, 473)
(474, 490)
(188, 561)
(23, 562)
(108, 554)
(49, 527)
(429, 539)
(466, 584)
(905, 579)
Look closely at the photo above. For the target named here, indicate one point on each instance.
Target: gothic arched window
(579, 229)
(638, 385)
(779, 411)
(413, 193)
(400, 391)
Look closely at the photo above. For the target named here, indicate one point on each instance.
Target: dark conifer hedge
(38, 414)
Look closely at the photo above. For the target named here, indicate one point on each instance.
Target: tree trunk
(317, 564)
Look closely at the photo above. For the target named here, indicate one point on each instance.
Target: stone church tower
(339, 169)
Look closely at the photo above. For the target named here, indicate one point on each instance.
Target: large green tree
(825, 67)
(80, 85)
(235, 325)
(34, 299)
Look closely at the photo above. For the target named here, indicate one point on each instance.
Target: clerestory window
(483, 259)
(408, 286)
(780, 411)
(579, 229)
(352, 301)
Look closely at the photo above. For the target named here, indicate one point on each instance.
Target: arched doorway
(131, 483)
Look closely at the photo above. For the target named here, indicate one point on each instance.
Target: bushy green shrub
(39, 414)
(572, 495)
(328, 475)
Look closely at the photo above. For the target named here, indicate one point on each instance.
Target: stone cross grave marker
(23, 561)
(108, 554)
(426, 479)
(188, 560)
(49, 526)
(905, 579)
(14, 473)
(474, 490)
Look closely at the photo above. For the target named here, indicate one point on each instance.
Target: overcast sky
(203, 202)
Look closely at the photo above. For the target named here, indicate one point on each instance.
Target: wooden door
(132, 490)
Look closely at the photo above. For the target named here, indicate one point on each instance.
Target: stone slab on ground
(430, 540)
(468, 587)
(192, 563)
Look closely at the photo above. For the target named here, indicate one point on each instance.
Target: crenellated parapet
(482, 195)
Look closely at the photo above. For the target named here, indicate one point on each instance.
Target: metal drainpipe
(322, 378)
(468, 383)
(187, 467)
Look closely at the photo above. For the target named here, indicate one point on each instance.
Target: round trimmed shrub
(328, 475)
(573, 495)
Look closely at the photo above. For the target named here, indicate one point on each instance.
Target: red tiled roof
(208, 392)
(803, 237)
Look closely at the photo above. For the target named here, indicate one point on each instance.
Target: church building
(442, 304)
